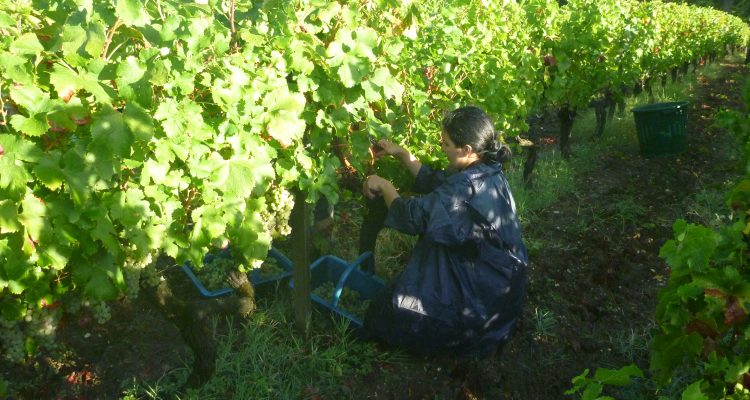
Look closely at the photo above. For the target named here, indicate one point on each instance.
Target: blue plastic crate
(343, 274)
(255, 276)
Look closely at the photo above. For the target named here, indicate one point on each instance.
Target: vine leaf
(693, 392)
(8, 217)
(109, 129)
(132, 12)
(98, 276)
(284, 122)
(618, 377)
(734, 313)
(27, 43)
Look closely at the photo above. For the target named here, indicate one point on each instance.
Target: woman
(464, 285)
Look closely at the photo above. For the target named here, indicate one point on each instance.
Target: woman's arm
(406, 158)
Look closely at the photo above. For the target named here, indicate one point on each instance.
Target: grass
(265, 358)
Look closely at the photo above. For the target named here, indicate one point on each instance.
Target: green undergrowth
(264, 357)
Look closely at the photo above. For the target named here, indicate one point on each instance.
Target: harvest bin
(344, 275)
(255, 277)
(662, 128)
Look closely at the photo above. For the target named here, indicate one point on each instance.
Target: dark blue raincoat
(463, 288)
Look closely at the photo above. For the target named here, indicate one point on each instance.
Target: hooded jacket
(464, 285)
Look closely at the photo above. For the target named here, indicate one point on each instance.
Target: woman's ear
(467, 149)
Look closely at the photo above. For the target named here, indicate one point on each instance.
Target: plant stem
(161, 12)
(110, 35)
(2, 107)
(231, 24)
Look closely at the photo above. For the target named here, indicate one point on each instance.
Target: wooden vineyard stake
(301, 245)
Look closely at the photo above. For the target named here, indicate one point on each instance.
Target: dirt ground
(593, 283)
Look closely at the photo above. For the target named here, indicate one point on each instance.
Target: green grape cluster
(276, 217)
(41, 324)
(102, 311)
(37, 325)
(72, 303)
(150, 276)
(132, 271)
(12, 340)
(132, 281)
(350, 300)
(214, 273)
(270, 268)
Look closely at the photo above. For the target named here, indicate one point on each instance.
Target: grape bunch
(11, 340)
(38, 324)
(214, 273)
(41, 324)
(276, 217)
(72, 303)
(150, 276)
(132, 280)
(102, 312)
(350, 299)
(132, 271)
(270, 268)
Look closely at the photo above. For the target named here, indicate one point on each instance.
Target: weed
(392, 252)
(707, 208)
(545, 323)
(632, 343)
(628, 211)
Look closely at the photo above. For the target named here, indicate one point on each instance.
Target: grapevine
(131, 129)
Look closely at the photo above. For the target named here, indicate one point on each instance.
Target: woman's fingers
(388, 147)
(371, 186)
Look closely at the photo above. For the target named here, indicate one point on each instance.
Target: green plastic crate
(662, 128)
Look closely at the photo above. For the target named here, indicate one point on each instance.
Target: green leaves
(8, 217)
(352, 53)
(132, 12)
(591, 389)
(238, 177)
(108, 131)
(693, 392)
(31, 98)
(14, 174)
(98, 276)
(27, 43)
(392, 88)
(155, 115)
(693, 247)
(619, 377)
(283, 109)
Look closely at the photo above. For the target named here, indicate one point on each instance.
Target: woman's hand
(386, 147)
(373, 186)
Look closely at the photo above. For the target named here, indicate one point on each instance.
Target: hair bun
(504, 154)
(496, 152)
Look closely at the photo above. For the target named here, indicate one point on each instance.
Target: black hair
(470, 125)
